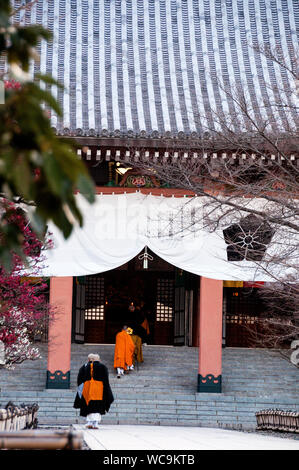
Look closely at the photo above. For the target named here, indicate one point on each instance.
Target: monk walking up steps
(138, 356)
(124, 352)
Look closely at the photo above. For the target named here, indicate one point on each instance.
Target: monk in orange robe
(123, 352)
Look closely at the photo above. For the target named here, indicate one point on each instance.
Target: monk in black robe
(94, 395)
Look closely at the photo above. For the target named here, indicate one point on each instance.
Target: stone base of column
(209, 383)
(58, 379)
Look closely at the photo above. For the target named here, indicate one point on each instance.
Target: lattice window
(95, 298)
(164, 305)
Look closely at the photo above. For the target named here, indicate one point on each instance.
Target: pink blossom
(24, 307)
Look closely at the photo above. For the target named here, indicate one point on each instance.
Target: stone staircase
(162, 390)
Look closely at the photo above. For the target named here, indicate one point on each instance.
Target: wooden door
(242, 309)
(164, 311)
(184, 308)
(95, 309)
(189, 312)
(79, 310)
(179, 316)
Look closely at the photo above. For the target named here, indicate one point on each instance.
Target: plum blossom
(24, 306)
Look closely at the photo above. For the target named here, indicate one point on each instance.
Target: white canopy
(118, 227)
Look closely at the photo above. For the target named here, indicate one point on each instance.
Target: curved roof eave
(169, 68)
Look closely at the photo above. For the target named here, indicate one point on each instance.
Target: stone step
(134, 381)
(163, 384)
(194, 410)
(163, 389)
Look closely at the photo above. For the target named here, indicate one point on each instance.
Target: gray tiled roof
(157, 68)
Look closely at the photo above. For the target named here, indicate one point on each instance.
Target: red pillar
(210, 335)
(59, 336)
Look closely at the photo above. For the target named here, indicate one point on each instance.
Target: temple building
(143, 81)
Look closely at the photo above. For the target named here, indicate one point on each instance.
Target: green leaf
(56, 179)
(86, 187)
(22, 177)
(37, 223)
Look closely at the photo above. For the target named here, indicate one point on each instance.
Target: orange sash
(92, 389)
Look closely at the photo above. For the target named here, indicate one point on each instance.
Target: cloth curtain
(117, 227)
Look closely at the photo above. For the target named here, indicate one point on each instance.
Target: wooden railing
(41, 439)
(278, 420)
(15, 418)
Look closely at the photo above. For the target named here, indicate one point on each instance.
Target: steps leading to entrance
(208, 410)
(163, 389)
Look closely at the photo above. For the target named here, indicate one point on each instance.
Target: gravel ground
(283, 435)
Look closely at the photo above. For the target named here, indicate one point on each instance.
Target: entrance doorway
(242, 308)
(164, 295)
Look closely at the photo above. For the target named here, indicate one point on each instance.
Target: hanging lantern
(145, 257)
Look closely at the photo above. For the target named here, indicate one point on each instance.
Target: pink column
(210, 335)
(59, 337)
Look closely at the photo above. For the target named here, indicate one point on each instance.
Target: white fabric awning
(117, 228)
